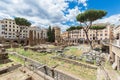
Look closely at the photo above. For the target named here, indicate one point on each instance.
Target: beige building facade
(9, 30)
(76, 36)
(12, 30)
(115, 49)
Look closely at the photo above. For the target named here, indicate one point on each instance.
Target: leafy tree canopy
(97, 27)
(74, 28)
(22, 21)
(90, 15)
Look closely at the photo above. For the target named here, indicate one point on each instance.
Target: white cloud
(83, 1)
(40, 12)
(114, 19)
(72, 14)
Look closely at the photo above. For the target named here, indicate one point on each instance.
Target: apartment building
(9, 30)
(12, 31)
(76, 36)
(115, 49)
(2, 28)
(64, 35)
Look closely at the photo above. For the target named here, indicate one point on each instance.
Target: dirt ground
(21, 73)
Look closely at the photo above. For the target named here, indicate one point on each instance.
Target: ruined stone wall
(53, 73)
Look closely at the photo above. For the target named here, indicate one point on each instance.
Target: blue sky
(111, 6)
(43, 13)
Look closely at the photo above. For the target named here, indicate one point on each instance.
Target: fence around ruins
(49, 73)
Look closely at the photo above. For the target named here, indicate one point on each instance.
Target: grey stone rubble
(3, 56)
(89, 57)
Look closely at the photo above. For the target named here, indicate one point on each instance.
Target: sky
(62, 13)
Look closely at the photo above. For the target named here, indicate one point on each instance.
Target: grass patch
(16, 59)
(79, 71)
(73, 51)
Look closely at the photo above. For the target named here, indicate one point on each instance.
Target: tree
(96, 28)
(51, 34)
(87, 18)
(22, 22)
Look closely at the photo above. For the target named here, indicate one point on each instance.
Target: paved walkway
(107, 74)
(100, 75)
(113, 74)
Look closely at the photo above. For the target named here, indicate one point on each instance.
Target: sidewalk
(100, 74)
(114, 75)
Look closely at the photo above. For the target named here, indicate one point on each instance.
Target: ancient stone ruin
(3, 56)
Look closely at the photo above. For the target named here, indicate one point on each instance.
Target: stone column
(118, 63)
(38, 39)
(34, 37)
(112, 55)
(30, 37)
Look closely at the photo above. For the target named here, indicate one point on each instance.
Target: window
(9, 33)
(13, 29)
(3, 28)
(105, 34)
(9, 29)
(5, 33)
(100, 34)
(9, 25)
(2, 32)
